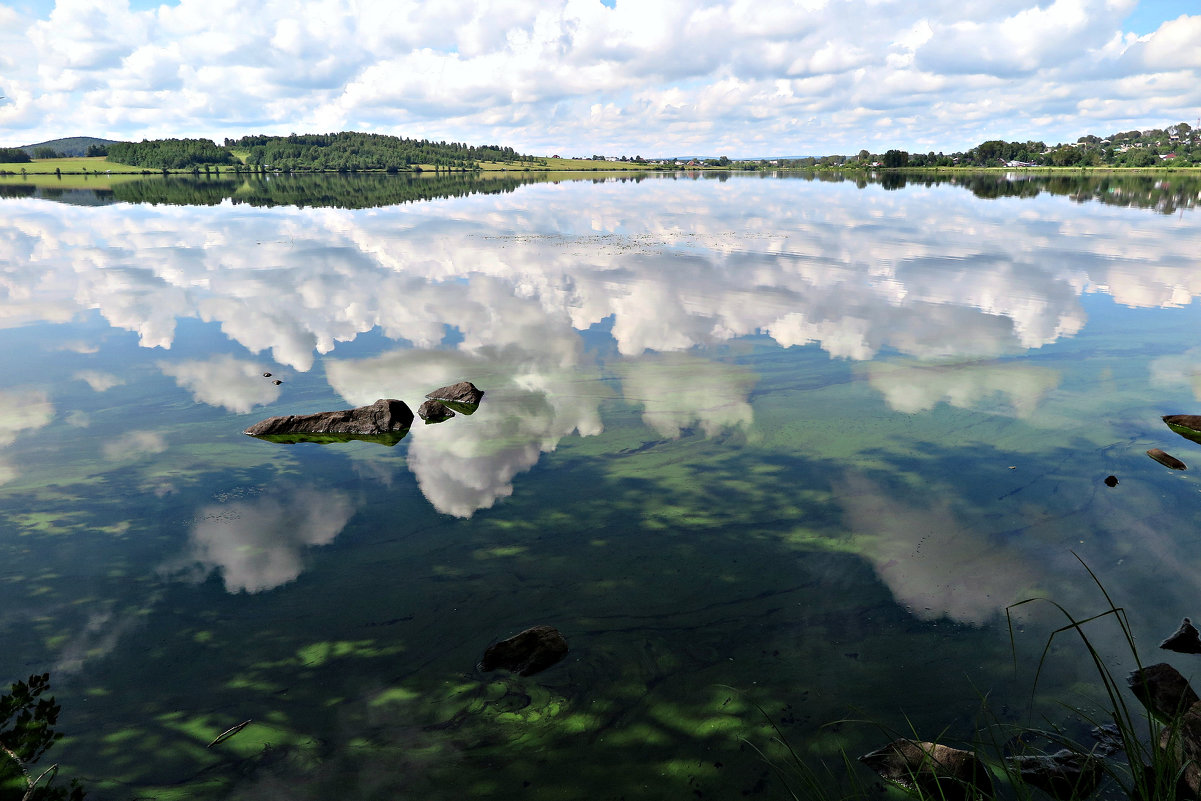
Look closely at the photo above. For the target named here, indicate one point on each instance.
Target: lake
(775, 453)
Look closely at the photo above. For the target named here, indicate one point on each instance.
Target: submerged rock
(1167, 459)
(1111, 481)
(1064, 774)
(931, 770)
(1162, 689)
(385, 416)
(527, 653)
(1186, 640)
(1186, 425)
(463, 392)
(433, 411)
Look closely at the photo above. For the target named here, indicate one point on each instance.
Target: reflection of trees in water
(1164, 193)
(337, 191)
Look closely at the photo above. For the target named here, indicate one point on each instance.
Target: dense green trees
(170, 154)
(340, 152)
(364, 151)
(14, 155)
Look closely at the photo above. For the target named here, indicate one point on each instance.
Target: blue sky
(577, 77)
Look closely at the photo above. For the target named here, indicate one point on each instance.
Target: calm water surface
(787, 444)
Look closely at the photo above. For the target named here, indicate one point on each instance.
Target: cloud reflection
(259, 544)
(469, 463)
(235, 384)
(911, 388)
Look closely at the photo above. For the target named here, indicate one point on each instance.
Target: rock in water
(1186, 640)
(1064, 774)
(530, 652)
(385, 416)
(1186, 425)
(932, 770)
(462, 392)
(1167, 459)
(1111, 481)
(1162, 689)
(433, 411)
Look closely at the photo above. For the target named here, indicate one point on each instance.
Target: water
(788, 444)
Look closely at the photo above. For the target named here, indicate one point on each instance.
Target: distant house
(1020, 164)
(1168, 156)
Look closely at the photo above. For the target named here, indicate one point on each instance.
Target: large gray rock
(527, 653)
(385, 416)
(1162, 690)
(932, 770)
(462, 392)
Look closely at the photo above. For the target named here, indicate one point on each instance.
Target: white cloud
(724, 76)
(258, 545)
(98, 380)
(234, 384)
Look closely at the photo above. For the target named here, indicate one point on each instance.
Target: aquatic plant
(27, 732)
(1137, 756)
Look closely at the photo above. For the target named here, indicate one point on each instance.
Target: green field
(70, 165)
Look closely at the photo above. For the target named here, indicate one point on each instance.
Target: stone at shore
(527, 653)
(1167, 459)
(385, 416)
(1183, 741)
(1162, 690)
(1065, 774)
(433, 411)
(1186, 640)
(462, 392)
(931, 770)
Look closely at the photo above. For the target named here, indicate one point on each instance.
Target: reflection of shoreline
(1165, 194)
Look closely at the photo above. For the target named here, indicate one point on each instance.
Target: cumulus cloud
(469, 463)
(22, 411)
(911, 388)
(576, 76)
(679, 391)
(98, 380)
(234, 384)
(133, 445)
(258, 545)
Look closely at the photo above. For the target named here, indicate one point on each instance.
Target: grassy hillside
(70, 146)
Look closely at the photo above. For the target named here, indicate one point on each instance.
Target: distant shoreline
(71, 174)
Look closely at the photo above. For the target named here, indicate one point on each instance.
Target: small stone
(277, 382)
(433, 411)
(532, 651)
(1166, 459)
(462, 392)
(1186, 640)
(1111, 481)
(266, 375)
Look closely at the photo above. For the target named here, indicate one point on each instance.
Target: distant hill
(71, 146)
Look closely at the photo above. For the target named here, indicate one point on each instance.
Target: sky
(742, 78)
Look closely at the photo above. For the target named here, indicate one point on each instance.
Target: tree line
(333, 152)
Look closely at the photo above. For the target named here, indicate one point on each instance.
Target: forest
(335, 152)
